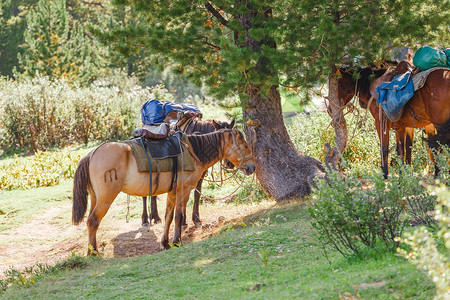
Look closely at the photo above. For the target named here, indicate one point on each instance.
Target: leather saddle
(165, 148)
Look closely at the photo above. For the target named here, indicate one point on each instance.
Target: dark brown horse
(112, 168)
(421, 111)
(194, 125)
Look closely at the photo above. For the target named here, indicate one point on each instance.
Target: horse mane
(362, 84)
(209, 146)
(200, 126)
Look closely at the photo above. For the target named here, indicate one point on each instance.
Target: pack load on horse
(397, 86)
(158, 119)
(428, 108)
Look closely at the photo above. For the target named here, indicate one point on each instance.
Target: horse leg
(400, 142)
(197, 192)
(144, 217)
(409, 137)
(95, 217)
(383, 135)
(170, 206)
(154, 207)
(430, 130)
(180, 209)
(404, 138)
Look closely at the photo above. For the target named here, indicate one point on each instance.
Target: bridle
(243, 158)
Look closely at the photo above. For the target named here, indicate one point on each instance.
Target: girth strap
(150, 176)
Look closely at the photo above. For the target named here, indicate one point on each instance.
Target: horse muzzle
(249, 168)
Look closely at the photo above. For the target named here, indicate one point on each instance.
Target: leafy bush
(424, 250)
(41, 169)
(309, 133)
(350, 214)
(37, 114)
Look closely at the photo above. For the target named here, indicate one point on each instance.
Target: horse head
(240, 153)
(224, 125)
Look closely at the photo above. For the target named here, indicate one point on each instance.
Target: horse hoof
(197, 221)
(146, 224)
(165, 245)
(156, 220)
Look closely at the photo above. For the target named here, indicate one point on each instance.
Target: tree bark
(283, 171)
(335, 109)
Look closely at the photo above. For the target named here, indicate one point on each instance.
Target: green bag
(447, 52)
(427, 57)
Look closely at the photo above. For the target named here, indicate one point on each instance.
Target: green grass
(229, 266)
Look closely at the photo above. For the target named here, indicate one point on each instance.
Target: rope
(231, 194)
(128, 208)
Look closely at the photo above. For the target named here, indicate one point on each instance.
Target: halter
(242, 158)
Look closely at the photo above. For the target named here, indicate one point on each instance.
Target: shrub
(41, 169)
(350, 215)
(38, 113)
(424, 250)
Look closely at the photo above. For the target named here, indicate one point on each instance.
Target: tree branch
(216, 14)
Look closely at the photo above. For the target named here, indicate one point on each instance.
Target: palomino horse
(348, 87)
(112, 168)
(195, 125)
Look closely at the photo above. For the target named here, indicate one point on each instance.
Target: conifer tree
(255, 48)
(12, 26)
(57, 45)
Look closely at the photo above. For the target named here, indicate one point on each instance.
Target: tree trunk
(283, 171)
(335, 108)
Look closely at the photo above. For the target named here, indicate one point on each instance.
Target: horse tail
(81, 182)
(441, 138)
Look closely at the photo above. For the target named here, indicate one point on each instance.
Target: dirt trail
(47, 239)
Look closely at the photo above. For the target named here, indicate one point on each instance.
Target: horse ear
(232, 123)
(215, 124)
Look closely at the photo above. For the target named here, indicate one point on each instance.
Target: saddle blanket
(166, 150)
(420, 78)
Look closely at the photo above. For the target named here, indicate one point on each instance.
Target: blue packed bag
(155, 111)
(427, 57)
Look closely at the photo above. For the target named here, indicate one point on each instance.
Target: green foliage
(41, 169)
(424, 252)
(57, 46)
(232, 46)
(39, 113)
(309, 132)
(349, 214)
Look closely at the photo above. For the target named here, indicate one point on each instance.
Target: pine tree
(255, 48)
(58, 46)
(12, 27)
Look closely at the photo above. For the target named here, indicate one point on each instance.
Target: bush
(424, 249)
(37, 114)
(351, 215)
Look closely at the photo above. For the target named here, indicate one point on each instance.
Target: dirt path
(50, 237)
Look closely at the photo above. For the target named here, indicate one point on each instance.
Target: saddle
(165, 155)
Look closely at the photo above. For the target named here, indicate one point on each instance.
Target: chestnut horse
(112, 168)
(404, 128)
(195, 125)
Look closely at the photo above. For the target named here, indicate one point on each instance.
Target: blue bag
(155, 111)
(392, 96)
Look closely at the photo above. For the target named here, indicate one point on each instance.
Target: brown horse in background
(348, 87)
(194, 125)
(112, 168)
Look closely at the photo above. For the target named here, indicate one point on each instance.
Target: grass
(231, 265)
